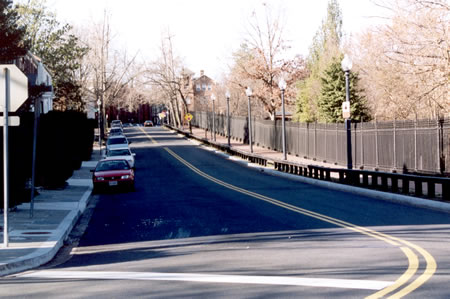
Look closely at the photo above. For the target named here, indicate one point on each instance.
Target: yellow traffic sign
(188, 117)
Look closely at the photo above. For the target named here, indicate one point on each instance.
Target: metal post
(362, 143)
(6, 158)
(326, 141)
(307, 140)
(438, 144)
(336, 146)
(250, 125)
(377, 159)
(99, 115)
(33, 165)
(228, 120)
(283, 122)
(315, 140)
(214, 120)
(348, 123)
(395, 144)
(415, 144)
(211, 131)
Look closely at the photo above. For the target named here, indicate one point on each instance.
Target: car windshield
(117, 141)
(119, 152)
(112, 165)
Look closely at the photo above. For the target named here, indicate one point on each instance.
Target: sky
(206, 32)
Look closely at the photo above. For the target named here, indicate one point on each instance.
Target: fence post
(307, 140)
(395, 139)
(298, 141)
(376, 143)
(315, 140)
(326, 131)
(336, 147)
(362, 144)
(438, 144)
(415, 144)
(354, 143)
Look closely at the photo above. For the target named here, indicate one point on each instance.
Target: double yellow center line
(402, 286)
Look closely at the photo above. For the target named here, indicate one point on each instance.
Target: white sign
(18, 87)
(346, 109)
(13, 121)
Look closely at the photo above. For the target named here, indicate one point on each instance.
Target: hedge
(64, 140)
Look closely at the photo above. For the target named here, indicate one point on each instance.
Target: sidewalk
(35, 241)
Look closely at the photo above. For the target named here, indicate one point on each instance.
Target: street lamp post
(213, 99)
(227, 95)
(249, 93)
(282, 84)
(346, 67)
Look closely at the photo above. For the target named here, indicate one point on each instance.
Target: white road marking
(212, 278)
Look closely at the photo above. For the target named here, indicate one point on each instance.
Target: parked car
(148, 123)
(121, 153)
(115, 131)
(116, 142)
(113, 173)
(116, 124)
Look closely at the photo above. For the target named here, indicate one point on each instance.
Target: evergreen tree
(60, 50)
(333, 95)
(324, 48)
(11, 35)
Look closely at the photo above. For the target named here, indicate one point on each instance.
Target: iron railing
(421, 146)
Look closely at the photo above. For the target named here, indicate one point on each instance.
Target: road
(200, 225)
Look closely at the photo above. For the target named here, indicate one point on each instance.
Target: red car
(113, 173)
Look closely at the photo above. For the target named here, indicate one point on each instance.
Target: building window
(188, 100)
(209, 86)
(203, 86)
(197, 87)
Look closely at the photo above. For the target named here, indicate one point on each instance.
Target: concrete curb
(47, 251)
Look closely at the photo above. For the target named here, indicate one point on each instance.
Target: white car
(116, 142)
(121, 153)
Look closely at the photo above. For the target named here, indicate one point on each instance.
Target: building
(39, 82)
(202, 88)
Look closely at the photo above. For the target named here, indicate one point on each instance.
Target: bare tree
(405, 64)
(168, 74)
(106, 71)
(261, 62)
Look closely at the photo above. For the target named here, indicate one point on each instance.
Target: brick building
(202, 88)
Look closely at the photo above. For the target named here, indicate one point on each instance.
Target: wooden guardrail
(383, 181)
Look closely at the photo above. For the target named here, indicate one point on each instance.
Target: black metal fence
(421, 146)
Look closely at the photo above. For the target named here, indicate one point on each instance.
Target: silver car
(121, 153)
(116, 142)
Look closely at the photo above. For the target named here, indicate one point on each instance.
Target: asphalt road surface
(201, 225)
